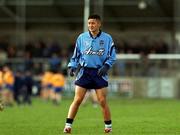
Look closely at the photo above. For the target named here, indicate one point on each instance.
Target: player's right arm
(74, 61)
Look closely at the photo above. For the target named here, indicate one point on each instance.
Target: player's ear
(99, 23)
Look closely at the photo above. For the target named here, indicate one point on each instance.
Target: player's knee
(102, 102)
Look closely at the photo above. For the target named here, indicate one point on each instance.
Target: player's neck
(95, 33)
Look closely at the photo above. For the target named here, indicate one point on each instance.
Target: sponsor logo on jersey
(89, 51)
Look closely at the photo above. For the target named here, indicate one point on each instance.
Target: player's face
(94, 25)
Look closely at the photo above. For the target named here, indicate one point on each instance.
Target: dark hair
(94, 16)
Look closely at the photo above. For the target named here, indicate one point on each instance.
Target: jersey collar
(98, 35)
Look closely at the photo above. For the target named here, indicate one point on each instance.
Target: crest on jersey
(86, 43)
(101, 42)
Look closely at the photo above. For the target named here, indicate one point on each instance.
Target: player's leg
(49, 92)
(94, 98)
(1, 104)
(86, 97)
(44, 94)
(5, 96)
(101, 96)
(58, 97)
(78, 98)
(11, 97)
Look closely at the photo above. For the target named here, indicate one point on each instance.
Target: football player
(95, 52)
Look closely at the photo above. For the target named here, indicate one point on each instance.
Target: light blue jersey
(93, 52)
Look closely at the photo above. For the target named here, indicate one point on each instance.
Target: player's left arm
(111, 56)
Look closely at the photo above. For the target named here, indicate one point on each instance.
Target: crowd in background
(41, 49)
(56, 54)
(143, 46)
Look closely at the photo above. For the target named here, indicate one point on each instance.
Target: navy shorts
(58, 89)
(48, 86)
(90, 79)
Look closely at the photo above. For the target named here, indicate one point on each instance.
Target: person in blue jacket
(94, 55)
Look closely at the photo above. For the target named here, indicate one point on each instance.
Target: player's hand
(72, 71)
(103, 70)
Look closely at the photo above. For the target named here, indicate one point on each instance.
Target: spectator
(28, 84)
(8, 79)
(18, 85)
(58, 82)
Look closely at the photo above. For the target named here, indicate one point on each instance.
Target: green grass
(130, 117)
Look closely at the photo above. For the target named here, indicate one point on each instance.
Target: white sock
(68, 125)
(108, 125)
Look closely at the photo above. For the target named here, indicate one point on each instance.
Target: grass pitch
(129, 116)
